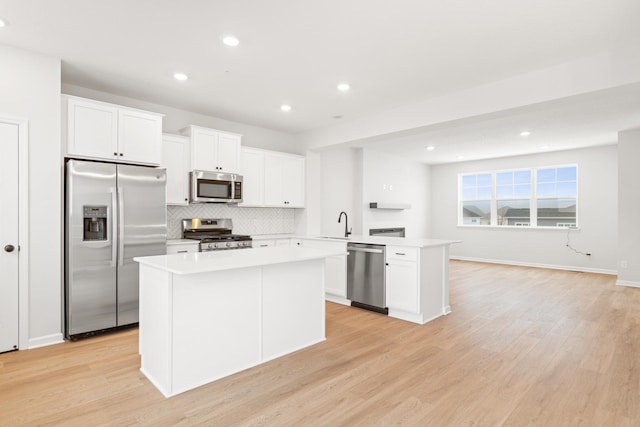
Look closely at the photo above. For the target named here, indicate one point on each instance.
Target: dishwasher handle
(373, 251)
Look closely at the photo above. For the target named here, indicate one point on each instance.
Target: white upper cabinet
(272, 178)
(283, 180)
(252, 171)
(175, 158)
(213, 150)
(98, 130)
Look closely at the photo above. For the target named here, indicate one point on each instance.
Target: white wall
(394, 179)
(176, 119)
(597, 214)
(347, 179)
(629, 208)
(339, 190)
(30, 88)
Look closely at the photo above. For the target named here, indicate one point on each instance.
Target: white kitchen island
(207, 315)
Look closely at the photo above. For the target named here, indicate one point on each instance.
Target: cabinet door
(293, 180)
(252, 170)
(335, 266)
(204, 149)
(273, 180)
(336, 275)
(139, 137)
(402, 285)
(229, 153)
(92, 130)
(175, 158)
(283, 242)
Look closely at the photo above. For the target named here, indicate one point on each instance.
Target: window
(476, 192)
(556, 193)
(540, 197)
(513, 195)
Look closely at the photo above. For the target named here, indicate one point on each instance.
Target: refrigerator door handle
(121, 227)
(114, 227)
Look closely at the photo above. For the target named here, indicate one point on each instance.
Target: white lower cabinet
(335, 266)
(402, 279)
(402, 285)
(283, 242)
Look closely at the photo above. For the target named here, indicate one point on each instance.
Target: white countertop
(202, 262)
(375, 240)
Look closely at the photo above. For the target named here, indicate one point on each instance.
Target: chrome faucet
(346, 223)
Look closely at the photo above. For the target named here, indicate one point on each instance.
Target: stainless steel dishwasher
(366, 276)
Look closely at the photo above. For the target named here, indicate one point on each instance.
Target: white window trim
(532, 200)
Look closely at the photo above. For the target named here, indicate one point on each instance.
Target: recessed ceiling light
(285, 107)
(525, 133)
(431, 148)
(544, 147)
(460, 157)
(343, 87)
(3, 23)
(180, 76)
(230, 40)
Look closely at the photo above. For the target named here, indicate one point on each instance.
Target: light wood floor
(523, 346)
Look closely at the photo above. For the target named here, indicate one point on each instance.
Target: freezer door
(143, 230)
(90, 282)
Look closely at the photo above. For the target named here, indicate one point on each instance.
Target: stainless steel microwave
(215, 187)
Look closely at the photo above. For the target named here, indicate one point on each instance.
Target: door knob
(9, 248)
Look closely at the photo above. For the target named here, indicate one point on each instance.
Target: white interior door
(8, 236)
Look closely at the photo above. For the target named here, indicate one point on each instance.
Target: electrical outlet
(624, 264)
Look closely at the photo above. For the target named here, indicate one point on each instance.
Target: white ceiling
(296, 51)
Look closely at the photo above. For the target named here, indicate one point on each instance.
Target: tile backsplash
(245, 220)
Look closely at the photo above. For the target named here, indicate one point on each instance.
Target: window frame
(533, 199)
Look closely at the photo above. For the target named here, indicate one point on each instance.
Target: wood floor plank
(522, 346)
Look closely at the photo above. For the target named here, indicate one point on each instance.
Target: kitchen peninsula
(207, 315)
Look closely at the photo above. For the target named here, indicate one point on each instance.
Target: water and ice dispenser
(95, 223)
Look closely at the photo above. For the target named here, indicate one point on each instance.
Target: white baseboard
(536, 265)
(628, 283)
(337, 299)
(45, 340)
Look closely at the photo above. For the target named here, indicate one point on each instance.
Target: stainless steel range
(214, 234)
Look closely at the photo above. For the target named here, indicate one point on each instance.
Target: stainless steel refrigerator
(113, 213)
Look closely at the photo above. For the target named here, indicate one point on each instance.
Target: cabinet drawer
(262, 243)
(402, 253)
(179, 249)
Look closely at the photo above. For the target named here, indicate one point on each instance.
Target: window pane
(484, 179)
(567, 189)
(468, 180)
(546, 175)
(557, 212)
(546, 190)
(476, 213)
(523, 190)
(504, 178)
(504, 192)
(469, 193)
(522, 177)
(514, 212)
(484, 193)
(567, 174)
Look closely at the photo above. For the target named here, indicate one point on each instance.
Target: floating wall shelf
(380, 205)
